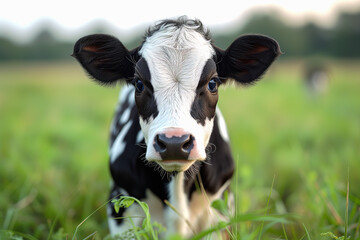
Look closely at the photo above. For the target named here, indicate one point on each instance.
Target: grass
(54, 166)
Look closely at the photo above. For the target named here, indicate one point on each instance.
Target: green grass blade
(13, 235)
(8, 217)
(218, 227)
(80, 224)
(267, 206)
(285, 235)
(91, 235)
(307, 232)
(242, 218)
(52, 229)
(347, 204)
(180, 214)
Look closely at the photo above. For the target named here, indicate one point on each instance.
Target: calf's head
(176, 73)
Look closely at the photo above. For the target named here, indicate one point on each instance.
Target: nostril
(160, 145)
(188, 143)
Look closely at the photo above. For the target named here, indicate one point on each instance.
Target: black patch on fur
(204, 105)
(142, 72)
(219, 166)
(145, 100)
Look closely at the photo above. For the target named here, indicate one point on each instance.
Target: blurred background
(46, 31)
(295, 135)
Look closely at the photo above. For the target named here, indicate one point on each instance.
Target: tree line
(309, 40)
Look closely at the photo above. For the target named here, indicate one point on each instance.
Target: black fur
(220, 164)
(145, 100)
(204, 105)
(247, 58)
(105, 58)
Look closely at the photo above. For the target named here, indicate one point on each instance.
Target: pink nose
(173, 146)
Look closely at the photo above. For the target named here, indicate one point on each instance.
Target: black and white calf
(168, 136)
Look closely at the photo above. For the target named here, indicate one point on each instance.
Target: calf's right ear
(105, 58)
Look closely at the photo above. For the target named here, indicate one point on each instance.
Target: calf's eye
(213, 85)
(139, 85)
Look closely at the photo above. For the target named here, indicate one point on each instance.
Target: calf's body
(168, 138)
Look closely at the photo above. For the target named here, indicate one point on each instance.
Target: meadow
(298, 155)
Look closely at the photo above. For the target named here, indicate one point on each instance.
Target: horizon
(21, 28)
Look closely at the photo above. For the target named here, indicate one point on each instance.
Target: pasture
(296, 153)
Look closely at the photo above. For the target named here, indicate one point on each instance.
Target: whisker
(207, 162)
(191, 172)
(142, 157)
(156, 167)
(142, 145)
(210, 148)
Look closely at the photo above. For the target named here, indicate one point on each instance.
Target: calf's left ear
(247, 58)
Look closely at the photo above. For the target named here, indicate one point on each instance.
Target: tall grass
(54, 164)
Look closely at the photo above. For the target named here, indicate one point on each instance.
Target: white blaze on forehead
(178, 55)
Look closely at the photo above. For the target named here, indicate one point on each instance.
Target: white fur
(125, 116)
(222, 125)
(119, 145)
(125, 90)
(139, 137)
(178, 199)
(176, 57)
(198, 212)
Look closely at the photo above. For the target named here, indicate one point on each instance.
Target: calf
(168, 138)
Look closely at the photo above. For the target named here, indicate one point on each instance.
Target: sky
(20, 16)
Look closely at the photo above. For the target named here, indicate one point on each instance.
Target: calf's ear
(247, 58)
(105, 58)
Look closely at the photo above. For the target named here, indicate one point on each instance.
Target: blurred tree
(290, 39)
(346, 36)
(309, 40)
(341, 40)
(317, 39)
(7, 49)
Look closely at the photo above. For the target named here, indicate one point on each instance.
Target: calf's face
(176, 73)
(176, 78)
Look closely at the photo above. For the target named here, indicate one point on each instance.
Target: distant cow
(316, 79)
(168, 137)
